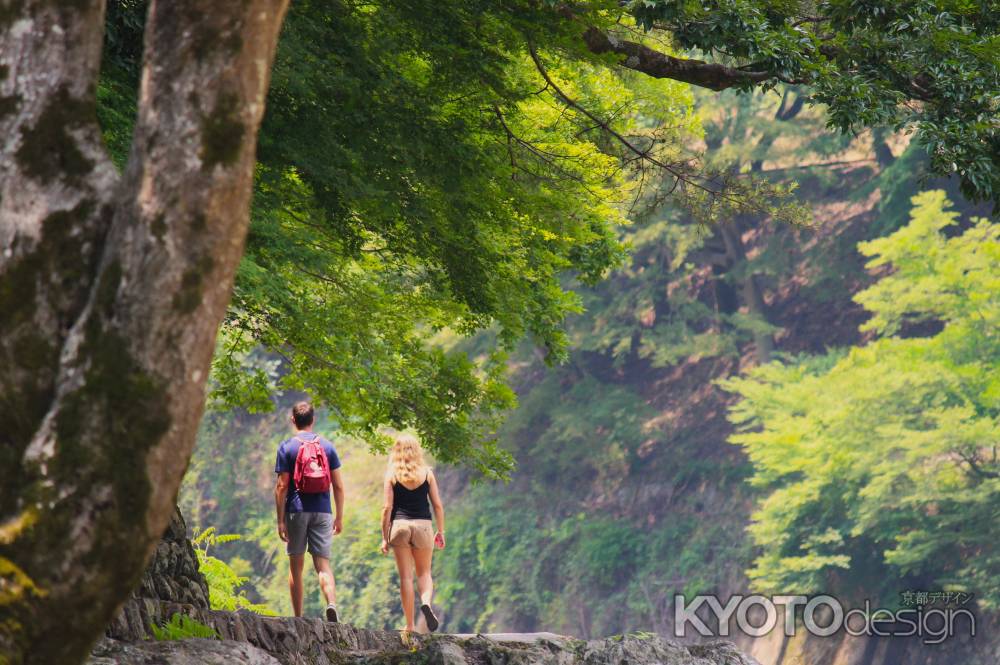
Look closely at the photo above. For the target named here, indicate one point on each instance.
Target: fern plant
(224, 592)
(181, 627)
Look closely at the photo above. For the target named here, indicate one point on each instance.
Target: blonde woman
(410, 491)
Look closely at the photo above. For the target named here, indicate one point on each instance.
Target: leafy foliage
(556, 533)
(223, 582)
(474, 194)
(930, 65)
(882, 461)
(182, 627)
(683, 294)
(415, 178)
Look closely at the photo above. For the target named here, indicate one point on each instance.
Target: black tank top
(410, 504)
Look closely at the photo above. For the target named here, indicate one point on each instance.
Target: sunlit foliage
(882, 460)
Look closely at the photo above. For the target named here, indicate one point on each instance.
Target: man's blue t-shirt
(287, 452)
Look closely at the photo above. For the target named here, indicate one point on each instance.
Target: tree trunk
(753, 296)
(883, 153)
(111, 292)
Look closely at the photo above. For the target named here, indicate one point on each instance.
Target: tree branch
(976, 468)
(640, 154)
(657, 64)
(603, 125)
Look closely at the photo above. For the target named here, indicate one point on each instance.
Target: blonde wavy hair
(406, 460)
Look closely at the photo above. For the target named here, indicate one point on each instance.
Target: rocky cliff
(172, 584)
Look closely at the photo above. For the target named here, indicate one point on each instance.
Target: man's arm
(338, 500)
(280, 493)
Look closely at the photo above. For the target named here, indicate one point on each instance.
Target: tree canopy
(444, 168)
(928, 66)
(422, 178)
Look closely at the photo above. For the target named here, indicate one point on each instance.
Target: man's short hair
(302, 414)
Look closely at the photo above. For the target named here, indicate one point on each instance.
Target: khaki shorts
(418, 534)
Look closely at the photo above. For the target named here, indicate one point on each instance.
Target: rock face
(173, 584)
(200, 651)
(173, 574)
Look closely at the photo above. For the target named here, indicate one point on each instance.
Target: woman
(406, 524)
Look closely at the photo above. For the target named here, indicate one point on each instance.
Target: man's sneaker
(430, 617)
(331, 613)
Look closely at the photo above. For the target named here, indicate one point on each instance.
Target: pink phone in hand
(439, 541)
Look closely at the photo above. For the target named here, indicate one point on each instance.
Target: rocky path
(256, 640)
(173, 585)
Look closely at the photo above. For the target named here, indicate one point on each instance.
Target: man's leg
(320, 534)
(295, 586)
(326, 582)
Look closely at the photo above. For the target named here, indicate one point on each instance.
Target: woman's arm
(386, 513)
(436, 503)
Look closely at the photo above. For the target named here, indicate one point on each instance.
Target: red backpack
(312, 469)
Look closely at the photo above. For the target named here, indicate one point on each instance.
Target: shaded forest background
(631, 484)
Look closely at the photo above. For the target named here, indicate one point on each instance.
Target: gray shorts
(314, 529)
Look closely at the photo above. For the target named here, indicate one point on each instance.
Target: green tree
(457, 200)
(878, 465)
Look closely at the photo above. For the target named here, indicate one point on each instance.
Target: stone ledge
(306, 641)
(179, 652)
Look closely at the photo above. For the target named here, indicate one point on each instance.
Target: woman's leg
(425, 583)
(404, 563)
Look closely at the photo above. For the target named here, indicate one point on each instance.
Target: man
(305, 518)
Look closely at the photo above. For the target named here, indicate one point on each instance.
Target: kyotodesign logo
(824, 615)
